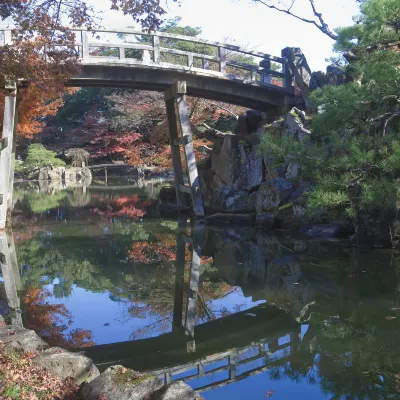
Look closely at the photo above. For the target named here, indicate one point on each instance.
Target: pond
(234, 312)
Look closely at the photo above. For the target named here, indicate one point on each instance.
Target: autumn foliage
(48, 320)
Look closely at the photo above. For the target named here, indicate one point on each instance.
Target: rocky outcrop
(116, 383)
(65, 364)
(22, 339)
(119, 383)
(73, 176)
(176, 391)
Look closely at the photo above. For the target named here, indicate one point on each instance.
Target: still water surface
(237, 313)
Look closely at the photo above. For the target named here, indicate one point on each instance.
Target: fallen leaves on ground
(20, 379)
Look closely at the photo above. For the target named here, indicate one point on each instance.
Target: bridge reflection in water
(206, 356)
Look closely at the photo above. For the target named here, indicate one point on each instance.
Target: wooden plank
(121, 45)
(230, 47)
(190, 60)
(156, 49)
(11, 282)
(177, 318)
(175, 152)
(255, 68)
(188, 53)
(9, 130)
(222, 59)
(197, 199)
(288, 78)
(85, 45)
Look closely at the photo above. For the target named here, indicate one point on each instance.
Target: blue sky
(253, 25)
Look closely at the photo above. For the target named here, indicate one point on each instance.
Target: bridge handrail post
(288, 78)
(85, 45)
(7, 36)
(222, 59)
(156, 49)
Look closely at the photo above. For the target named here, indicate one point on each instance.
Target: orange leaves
(48, 320)
(35, 103)
(19, 375)
(147, 253)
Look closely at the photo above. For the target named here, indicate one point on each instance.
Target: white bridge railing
(158, 49)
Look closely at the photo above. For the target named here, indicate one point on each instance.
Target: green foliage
(77, 104)
(353, 153)
(38, 157)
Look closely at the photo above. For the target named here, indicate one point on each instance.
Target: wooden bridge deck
(151, 61)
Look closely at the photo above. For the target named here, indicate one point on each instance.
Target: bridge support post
(177, 113)
(7, 154)
(10, 273)
(177, 320)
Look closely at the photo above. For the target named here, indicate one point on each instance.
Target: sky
(253, 25)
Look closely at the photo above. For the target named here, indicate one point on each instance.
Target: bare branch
(320, 24)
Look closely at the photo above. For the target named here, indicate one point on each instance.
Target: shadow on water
(233, 312)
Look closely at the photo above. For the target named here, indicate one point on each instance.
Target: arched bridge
(155, 61)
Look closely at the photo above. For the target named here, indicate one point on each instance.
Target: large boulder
(294, 125)
(176, 391)
(225, 159)
(119, 383)
(21, 339)
(251, 170)
(65, 364)
(272, 194)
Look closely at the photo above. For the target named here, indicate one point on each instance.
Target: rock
(176, 391)
(326, 231)
(238, 203)
(277, 124)
(268, 198)
(119, 383)
(225, 159)
(253, 118)
(335, 76)
(65, 364)
(220, 200)
(226, 218)
(22, 339)
(4, 309)
(298, 211)
(251, 202)
(281, 184)
(251, 171)
(241, 126)
(271, 194)
(318, 80)
(301, 71)
(292, 171)
(266, 220)
(253, 260)
(293, 125)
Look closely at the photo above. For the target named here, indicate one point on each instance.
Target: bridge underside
(216, 336)
(255, 96)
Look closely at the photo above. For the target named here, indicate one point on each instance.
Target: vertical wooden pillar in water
(175, 99)
(177, 325)
(7, 156)
(190, 320)
(10, 273)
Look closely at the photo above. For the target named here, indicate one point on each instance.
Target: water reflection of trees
(105, 258)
